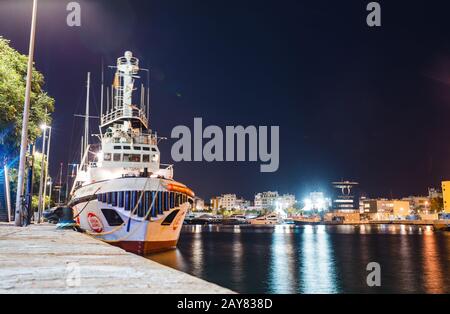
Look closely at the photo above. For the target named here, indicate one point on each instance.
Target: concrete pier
(41, 259)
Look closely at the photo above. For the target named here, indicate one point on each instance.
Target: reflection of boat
(235, 220)
(289, 221)
(314, 220)
(442, 225)
(122, 194)
(270, 219)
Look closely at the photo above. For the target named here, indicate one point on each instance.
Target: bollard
(66, 220)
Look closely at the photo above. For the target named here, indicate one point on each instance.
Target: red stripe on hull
(145, 247)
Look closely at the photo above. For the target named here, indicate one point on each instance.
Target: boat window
(112, 217)
(145, 158)
(131, 158)
(137, 147)
(127, 147)
(154, 149)
(117, 147)
(169, 219)
(146, 148)
(107, 157)
(172, 199)
(116, 157)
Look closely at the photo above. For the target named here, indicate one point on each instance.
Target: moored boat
(235, 220)
(314, 220)
(122, 194)
(269, 219)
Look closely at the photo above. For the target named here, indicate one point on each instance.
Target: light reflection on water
(314, 259)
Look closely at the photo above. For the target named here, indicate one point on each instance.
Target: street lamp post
(46, 166)
(26, 114)
(41, 179)
(50, 183)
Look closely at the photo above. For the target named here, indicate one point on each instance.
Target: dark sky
(352, 102)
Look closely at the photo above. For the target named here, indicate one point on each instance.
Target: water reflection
(314, 259)
(317, 271)
(431, 266)
(282, 265)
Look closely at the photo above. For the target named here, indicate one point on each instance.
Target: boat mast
(101, 95)
(86, 118)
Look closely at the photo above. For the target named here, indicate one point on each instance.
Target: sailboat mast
(86, 118)
(101, 95)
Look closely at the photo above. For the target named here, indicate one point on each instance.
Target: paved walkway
(41, 259)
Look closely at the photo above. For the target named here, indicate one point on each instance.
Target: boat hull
(134, 230)
(146, 247)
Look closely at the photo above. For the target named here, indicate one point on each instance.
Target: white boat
(269, 219)
(122, 194)
(235, 219)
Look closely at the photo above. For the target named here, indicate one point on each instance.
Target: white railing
(121, 112)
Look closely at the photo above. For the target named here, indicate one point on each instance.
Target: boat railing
(121, 112)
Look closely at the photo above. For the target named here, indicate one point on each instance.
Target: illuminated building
(229, 202)
(199, 204)
(344, 203)
(214, 203)
(446, 195)
(273, 201)
(266, 200)
(345, 197)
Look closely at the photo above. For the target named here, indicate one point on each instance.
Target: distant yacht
(235, 220)
(269, 219)
(122, 194)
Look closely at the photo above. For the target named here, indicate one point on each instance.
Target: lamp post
(46, 165)
(26, 114)
(41, 178)
(50, 183)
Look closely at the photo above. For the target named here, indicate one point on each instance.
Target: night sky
(352, 102)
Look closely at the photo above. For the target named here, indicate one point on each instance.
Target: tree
(436, 204)
(13, 71)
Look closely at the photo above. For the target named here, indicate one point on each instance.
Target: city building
(229, 202)
(345, 205)
(199, 204)
(266, 200)
(273, 201)
(446, 196)
(419, 204)
(243, 204)
(214, 203)
(345, 197)
(434, 193)
(384, 209)
(285, 202)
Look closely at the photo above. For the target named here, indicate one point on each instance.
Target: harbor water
(314, 259)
